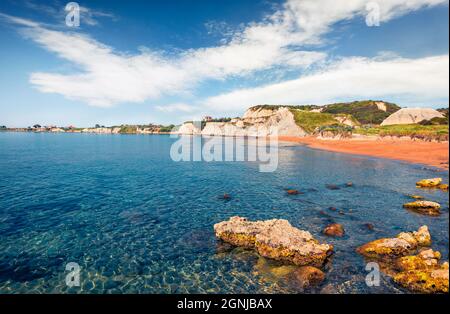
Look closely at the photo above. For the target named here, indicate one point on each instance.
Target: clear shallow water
(137, 222)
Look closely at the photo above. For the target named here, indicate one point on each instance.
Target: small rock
(292, 192)
(369, 226)
(333, 208)
(308, 276)
(443, 187)
(416, 197)
(334, 230)
(429, 183)
(332, 187)
(225, 196)
(349, 184)
(424, 207)
(341, 212)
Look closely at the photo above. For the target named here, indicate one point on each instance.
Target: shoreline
(433, 154)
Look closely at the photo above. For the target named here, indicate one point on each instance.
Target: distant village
(120, 129)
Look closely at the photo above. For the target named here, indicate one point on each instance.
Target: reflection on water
(137, 222)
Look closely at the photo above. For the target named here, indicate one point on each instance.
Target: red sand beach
(428, 153)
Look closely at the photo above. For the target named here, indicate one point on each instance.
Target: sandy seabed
(415, 151)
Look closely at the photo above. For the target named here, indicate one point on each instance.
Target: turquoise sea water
(137, 222)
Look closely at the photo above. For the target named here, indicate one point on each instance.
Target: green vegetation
(444, 111)
(275, 107)
(311, 121)
(128, 129)
(425, 132)
(435, 121)
(166, 128)
(366, 112)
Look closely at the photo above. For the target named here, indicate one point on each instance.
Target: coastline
(435, 154)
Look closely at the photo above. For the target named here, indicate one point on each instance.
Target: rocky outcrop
(276, 239)
(411, 116)
(424, 207)
(402, 245)
(418, 273)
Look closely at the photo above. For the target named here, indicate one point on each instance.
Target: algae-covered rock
(429, 280)
(334, 230)
(422, 236)
(275, 239)
(424, 207)
(425, 259)
(402, 245)
(429, 183)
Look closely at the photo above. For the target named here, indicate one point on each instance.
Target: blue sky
(171, 61)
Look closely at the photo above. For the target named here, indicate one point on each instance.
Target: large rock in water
(429, 183)
(424, 207)
(411, 116)
(275, 239)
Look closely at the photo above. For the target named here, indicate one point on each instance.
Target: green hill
(365, 112)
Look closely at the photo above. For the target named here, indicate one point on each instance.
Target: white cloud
(423, 80)
(107, 77)
(177, 107)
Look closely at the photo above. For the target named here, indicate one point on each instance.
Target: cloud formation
(284, 39)
(423, 80)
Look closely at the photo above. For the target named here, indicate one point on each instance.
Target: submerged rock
(429, 183)
(308, 276)
(225, 197)
(402, 245)
(369, 226)
(334, 230)
(416, 197)
(276, 239)
(424, 207)
(332, 187)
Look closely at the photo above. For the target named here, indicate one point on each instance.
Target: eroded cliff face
(255, 122)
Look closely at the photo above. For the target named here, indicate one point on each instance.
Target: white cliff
(255, 122)
(411, 116)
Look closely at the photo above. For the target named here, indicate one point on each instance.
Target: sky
(163, 62)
